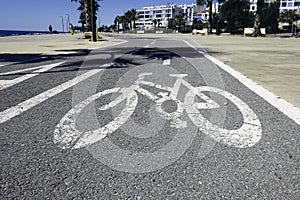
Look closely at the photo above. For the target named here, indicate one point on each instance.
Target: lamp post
(68, 27)
(66, 21)
(62, 23)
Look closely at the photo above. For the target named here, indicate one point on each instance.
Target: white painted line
(8, 83)
(153, 42)
(24, 61)
(167, 61)
(29, 103)
(285, 107)
(100, 46)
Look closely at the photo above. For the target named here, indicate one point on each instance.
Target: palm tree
(128, 18)
(260, 5)
(117, 22)
(134, 16)
(86, 14)
(155, 21)
(123, 22)
(209, 4)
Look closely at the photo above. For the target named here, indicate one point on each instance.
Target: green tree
(209, 4)
(289, 16)
(134, 16)
(86, 14)
(155, 21)
(258, 17)
(236, 14)
(270, 17)
(117, 23)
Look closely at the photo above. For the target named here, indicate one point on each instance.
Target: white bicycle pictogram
(249, 133)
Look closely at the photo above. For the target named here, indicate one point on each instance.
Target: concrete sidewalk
(31, 47)
(272, 62)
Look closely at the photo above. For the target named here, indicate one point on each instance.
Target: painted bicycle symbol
(249, 133)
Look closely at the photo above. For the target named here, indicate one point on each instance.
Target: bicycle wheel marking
(247, 135)
(66, 134)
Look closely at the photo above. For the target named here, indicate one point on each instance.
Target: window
(157, 11)
(147, 16)
(283, 4)
(168, 15)
(158, 16)
(168, 11)
(290, 4)
(147, 12)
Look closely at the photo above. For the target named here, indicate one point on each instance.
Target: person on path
(71, 29)
(50, 29)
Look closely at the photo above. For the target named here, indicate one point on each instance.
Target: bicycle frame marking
(247, 135)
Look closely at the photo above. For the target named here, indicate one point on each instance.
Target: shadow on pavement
(95, 59)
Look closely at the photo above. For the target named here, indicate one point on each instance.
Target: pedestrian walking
(50, 29)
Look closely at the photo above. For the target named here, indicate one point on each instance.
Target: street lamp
(62, 23)
(68, 22)
(67, 30)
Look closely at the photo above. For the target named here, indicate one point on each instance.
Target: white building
(289, 5)
(164, 14)
(161, 13)
(284, 5)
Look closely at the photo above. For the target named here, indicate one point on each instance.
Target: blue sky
(39, 14)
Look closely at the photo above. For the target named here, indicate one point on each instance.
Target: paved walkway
(30, 47)
(272, 62)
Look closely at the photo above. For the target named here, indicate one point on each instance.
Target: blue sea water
(17, 32)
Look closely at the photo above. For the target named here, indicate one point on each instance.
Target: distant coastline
(4, 33)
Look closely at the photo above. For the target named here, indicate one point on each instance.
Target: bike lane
(194, 166)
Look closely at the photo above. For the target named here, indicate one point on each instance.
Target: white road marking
(24, 61)
(153, 42)
(285, 107)
(29, 103)
(67, 136)
(167, 61)
(246, 136)
(8, 83)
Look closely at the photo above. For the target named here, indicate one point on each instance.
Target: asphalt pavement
(147, 118)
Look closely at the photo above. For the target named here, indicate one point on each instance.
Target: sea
(4, 33)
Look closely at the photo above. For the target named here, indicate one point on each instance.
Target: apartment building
(163, 14)
(290, 5)
(284, 5)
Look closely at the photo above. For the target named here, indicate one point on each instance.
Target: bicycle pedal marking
(67, 136)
